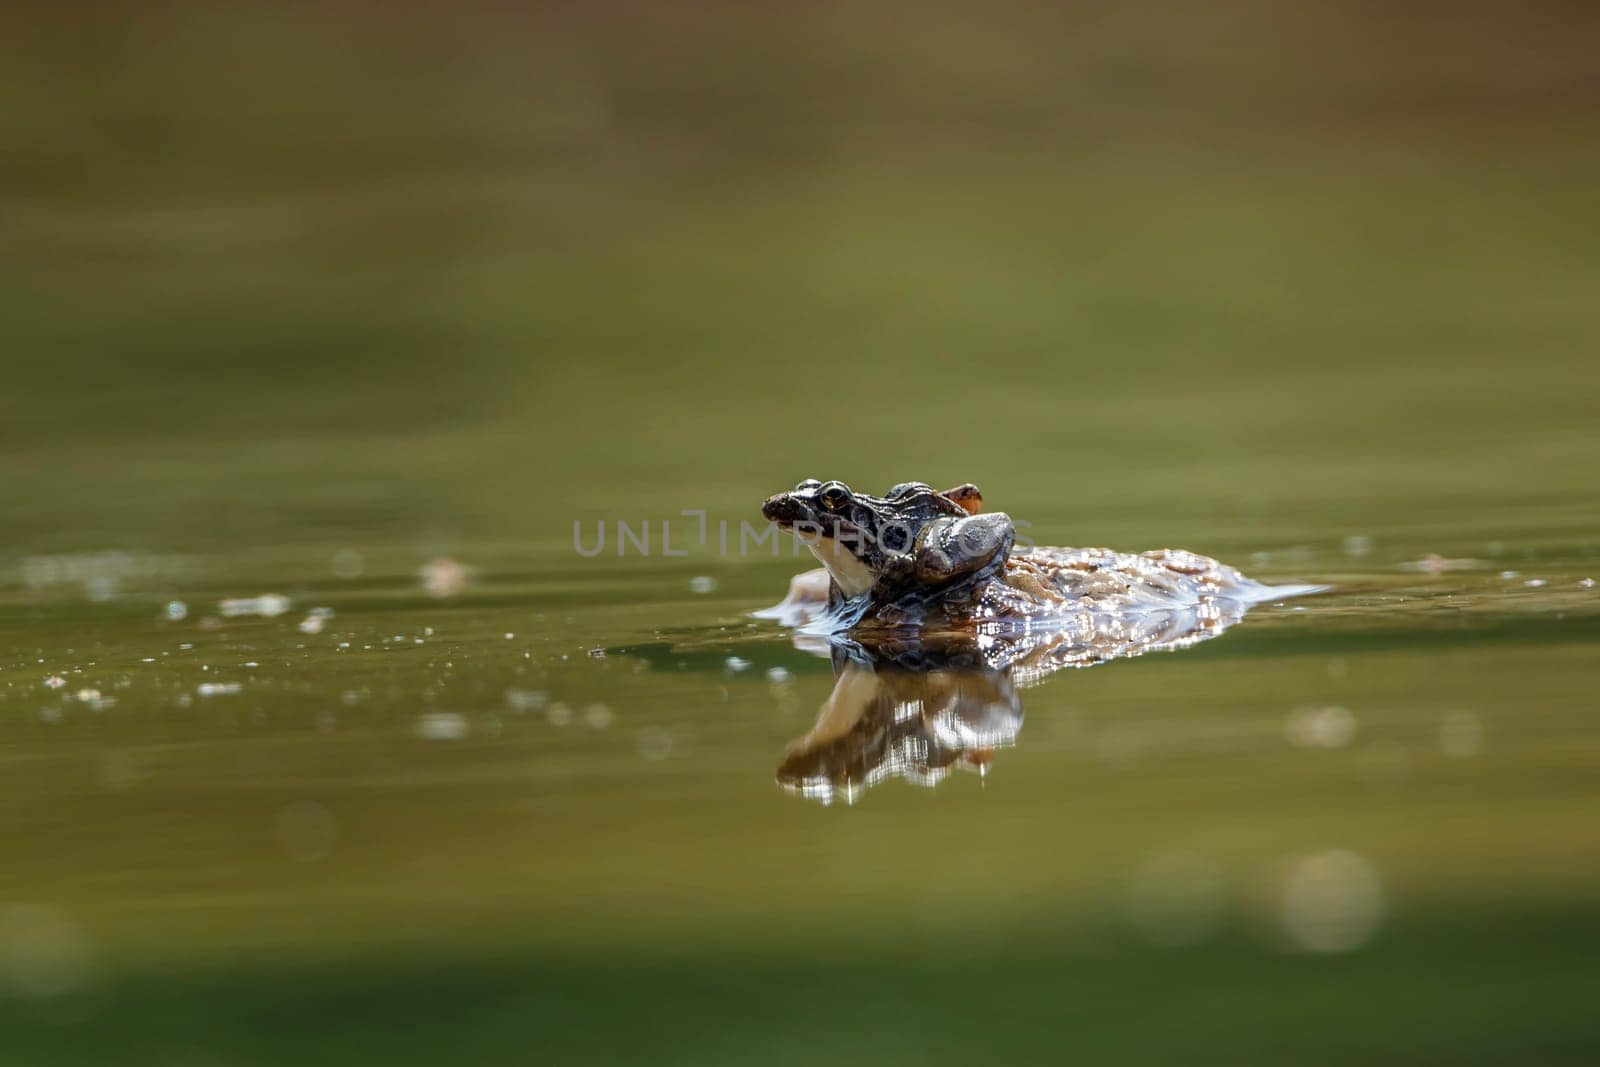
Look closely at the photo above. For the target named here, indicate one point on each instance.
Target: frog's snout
(783, 508)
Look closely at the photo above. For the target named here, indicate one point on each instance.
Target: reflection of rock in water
(917, 705)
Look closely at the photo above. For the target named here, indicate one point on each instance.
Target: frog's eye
(809, 483)
(834, 496)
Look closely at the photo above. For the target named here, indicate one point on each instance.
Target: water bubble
(1330, 726)
(312, 624)
(598, 716)
(175, 611)
(443, 577)
(96, 700)
(1536, 583)
(525, 699)
(1332, 902)
(55, 681)
(348, 563)
(101, 587)
(441, 726)
(735, 664)
(558, 714)
(702, 583)
(267, 606)
(1357, 545)
(216, 689)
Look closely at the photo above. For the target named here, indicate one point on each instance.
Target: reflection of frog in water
(934, 619)
(883, 720)
(917, 704)
(919, 558)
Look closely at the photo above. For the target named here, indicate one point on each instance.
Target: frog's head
(860, 538)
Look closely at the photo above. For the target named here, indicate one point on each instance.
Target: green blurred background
(486, 268)
(298, 296)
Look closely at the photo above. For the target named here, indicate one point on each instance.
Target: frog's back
(1041, 582)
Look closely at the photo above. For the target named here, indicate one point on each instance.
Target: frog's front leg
(967, 496)
(948, 549)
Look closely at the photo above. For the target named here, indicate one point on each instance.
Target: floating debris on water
(217, 689)
(597, 653)
(702, 583)
(441, 726)
(267, 606)
(1586, 583)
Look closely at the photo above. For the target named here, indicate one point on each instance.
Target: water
(322, 742)
(492, 808)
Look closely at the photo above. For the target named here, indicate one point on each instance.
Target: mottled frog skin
(917, 558)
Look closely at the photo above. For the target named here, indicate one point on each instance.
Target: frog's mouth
(852, 575)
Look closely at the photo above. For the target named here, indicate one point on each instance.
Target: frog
(924, 558)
